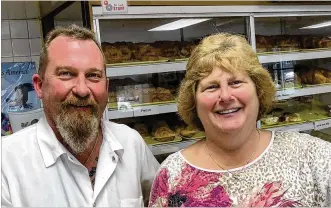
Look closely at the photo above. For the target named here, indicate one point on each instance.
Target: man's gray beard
(77, 129)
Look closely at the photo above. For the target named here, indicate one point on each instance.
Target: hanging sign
(114, 6)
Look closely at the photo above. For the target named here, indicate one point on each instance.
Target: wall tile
(6, 48)
(22, 59)
(5, 32)
(6, 60)
(4, 10)
(32, 9)
(16, 10)
(34, 28)
(35, 46)
(21, 47)
(36, 60)
(19, 29)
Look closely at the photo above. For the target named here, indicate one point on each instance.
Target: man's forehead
(65, 40)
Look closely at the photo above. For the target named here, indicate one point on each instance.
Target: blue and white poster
(17, 91)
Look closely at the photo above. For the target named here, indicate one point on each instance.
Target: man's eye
(65, 74)
(94, 75)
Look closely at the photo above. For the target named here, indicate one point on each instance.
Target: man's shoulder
(20, 138)
(16, 146)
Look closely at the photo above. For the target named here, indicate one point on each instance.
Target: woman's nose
(225, 94)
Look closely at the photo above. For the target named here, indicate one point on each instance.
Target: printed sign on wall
(114, 6)
(17, 91)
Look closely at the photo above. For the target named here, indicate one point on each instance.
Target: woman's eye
(211, 87)
(236, 82)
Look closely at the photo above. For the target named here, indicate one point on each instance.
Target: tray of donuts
(294, 111)
(160, 132)
(138, 95)
(308, 76)
(128, 53)
(290, 43)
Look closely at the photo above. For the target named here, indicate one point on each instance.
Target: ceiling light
(323, 24)
(178, 24)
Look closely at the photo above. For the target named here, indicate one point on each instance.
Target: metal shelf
(145, 110)
(115, 71)
(297, 92)
(170, 148)
(294, 56)
(317, 125)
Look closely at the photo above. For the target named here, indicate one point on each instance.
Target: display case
(147, 48)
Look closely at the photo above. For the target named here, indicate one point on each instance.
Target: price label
(146, 110)
(323, 124)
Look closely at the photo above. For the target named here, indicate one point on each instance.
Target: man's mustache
(81, 102)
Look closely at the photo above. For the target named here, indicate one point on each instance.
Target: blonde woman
(225, 91)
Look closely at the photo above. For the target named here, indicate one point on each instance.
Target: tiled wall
(20, 31)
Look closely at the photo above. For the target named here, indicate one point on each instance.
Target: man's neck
(82, 157)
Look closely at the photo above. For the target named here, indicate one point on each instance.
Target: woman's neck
(233, 150)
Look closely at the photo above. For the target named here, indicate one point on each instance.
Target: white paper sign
(20, 120)
(114, 6)
(323, 124)
(146, 110)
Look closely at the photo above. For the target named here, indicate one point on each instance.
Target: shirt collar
(51, 148)
(114, 144)
(49, 145)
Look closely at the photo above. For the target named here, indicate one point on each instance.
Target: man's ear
(37, 84)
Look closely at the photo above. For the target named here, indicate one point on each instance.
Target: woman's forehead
(218, 72)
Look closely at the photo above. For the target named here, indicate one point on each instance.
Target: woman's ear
(37, 84)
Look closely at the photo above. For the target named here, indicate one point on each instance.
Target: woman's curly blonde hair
(228, 52)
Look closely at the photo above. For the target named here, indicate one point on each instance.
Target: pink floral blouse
(294, 170)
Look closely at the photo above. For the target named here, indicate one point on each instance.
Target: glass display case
(147, 49)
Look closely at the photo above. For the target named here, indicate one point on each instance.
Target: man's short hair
(73, 31)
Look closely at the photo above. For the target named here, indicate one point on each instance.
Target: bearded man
(72, 157)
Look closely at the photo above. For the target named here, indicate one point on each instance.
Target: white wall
(20, 31)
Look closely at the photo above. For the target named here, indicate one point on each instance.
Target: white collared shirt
(37, 171)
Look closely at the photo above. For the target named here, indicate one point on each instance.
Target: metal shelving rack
(251, 12)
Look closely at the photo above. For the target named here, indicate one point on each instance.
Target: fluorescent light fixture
(323, 24)
(178, 24)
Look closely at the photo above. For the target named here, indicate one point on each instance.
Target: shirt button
(94, 204)
(113, 158)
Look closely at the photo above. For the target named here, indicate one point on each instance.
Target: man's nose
(81, 88)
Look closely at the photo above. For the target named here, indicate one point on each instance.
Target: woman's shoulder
(305, 144)
(173, 166)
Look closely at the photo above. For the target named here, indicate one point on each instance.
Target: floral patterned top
(294, 170)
